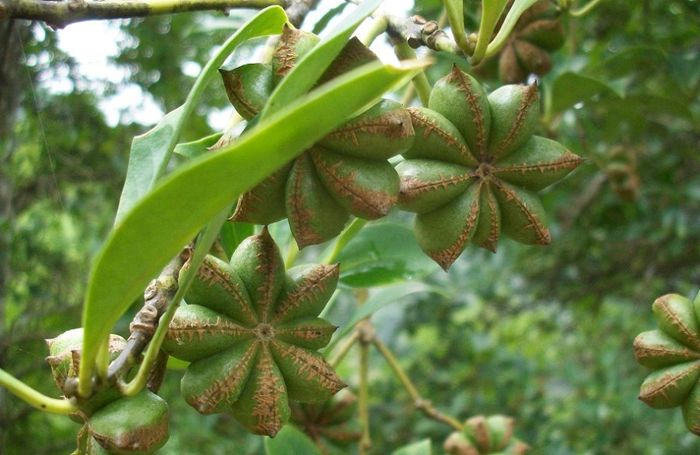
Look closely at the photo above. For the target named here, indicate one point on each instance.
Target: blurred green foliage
(542, 334)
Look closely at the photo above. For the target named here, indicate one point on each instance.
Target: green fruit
(251, 332)
(673, 354)
(474, 166)
(345, 173)
(131, 425)
(537, 33)
(64, 354)
(332, 424)
(485, 435)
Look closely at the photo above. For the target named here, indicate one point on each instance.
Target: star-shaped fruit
(673, 353)
(112, 423)
(251, 332)
(474, 166)
(481, 435)
(537, 33)
(332, 424)
(345, 173)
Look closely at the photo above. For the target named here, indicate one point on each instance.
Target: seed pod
(473, 166)
(346, 173)
(131, 425)
(623, 175)
(252, 357)
(292, 45)
(676, 316)
(673, 354)
(248, 87)
(332, 425)
(64, 354)
(537, 33)
(485, 435)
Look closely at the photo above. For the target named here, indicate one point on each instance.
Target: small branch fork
(157, 296)
(365, 335)
(416, 31)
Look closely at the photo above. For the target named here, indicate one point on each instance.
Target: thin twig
(421, 404)
(34, 397)
(417, 31)
(363, 399)
(58, 14)
(344, 349)
(298, 9)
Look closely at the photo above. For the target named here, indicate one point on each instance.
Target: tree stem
(157, 295)
(423, 405)
(61, 13)
(363, 399)
(34, 397)
(344, 349)
(585, 9)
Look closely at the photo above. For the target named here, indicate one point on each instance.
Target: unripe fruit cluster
(474, 166)
(673, 353)
(481, 435)
(112, 423)
(537, 33)
(345, 173)
(251, 332)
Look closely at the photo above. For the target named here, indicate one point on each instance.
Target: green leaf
(151, 152)
(232, 234)
(491, 11)
(325, 20)
(571, 88)
(517, 10)
(382, 297)
(383, 253)
(310, 68)
(417, 448)
(290, 441)
(197, 148)
(148, 152)
(170, 215)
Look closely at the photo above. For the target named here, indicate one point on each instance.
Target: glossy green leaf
(198, 147)
(571, 88)
(514, 13)
(151, 152)
(233, 233)
(148, 152)
(169, 216)
(417, 448)
(322, 23)
(310, 68)
(383, 253)
(290, 441)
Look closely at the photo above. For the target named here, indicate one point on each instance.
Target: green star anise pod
(537, 33)
(345, 173)
(251, 332)
(112, 423)
(673, 353)
(481, 435)
(475, 165)
(332, 424)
